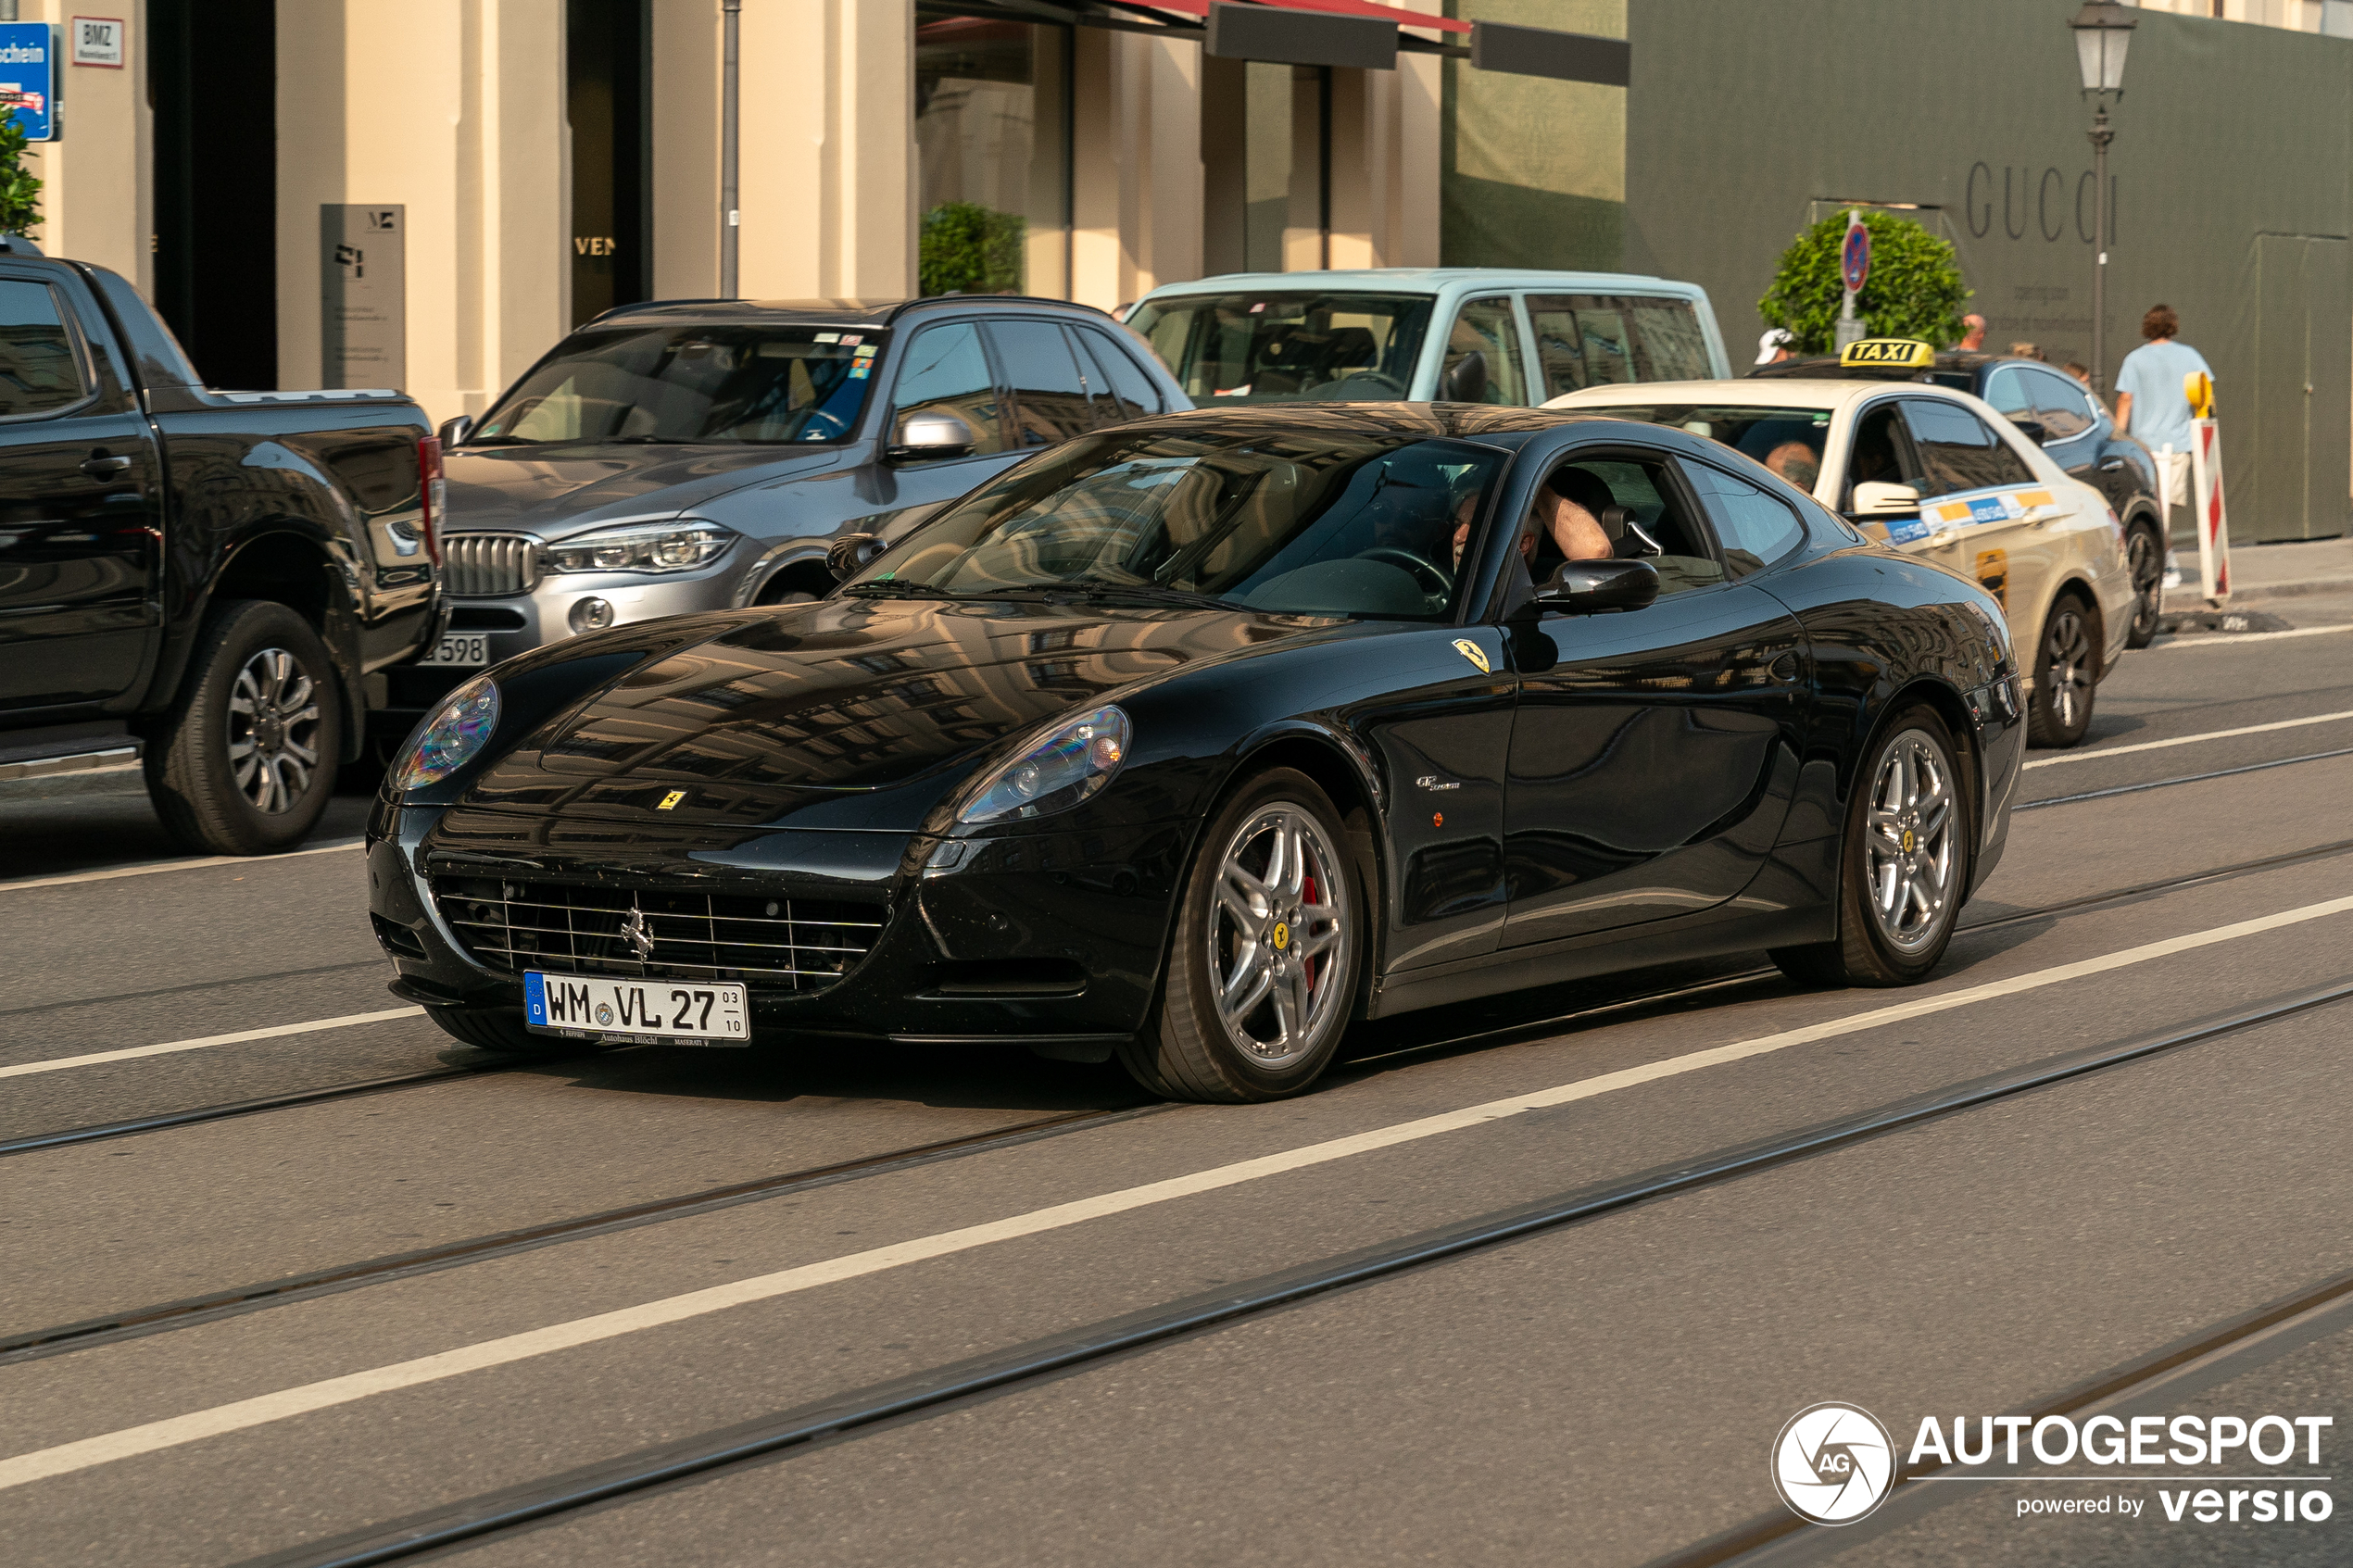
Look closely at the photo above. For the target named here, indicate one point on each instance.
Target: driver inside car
(1570, 515)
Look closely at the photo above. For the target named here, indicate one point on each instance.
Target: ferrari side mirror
(1875, 499)
(1588, 587)
(852, 553)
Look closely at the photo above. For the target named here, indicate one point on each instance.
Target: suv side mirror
(924, 438)
(1466, 383)
(852, 553)
(1588, 587)
(453, 433)
(1875, 499)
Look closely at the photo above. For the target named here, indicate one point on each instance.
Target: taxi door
(1983, 513)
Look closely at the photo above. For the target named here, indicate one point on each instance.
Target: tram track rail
(806, 1428)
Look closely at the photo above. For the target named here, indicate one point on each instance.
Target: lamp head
(2103, 31)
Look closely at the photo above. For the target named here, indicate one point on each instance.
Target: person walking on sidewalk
(2153, 401)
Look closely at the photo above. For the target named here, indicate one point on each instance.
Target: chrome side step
(83, 773)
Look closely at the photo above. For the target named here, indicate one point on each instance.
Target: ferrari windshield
(1358, 524)
(664, 383)
(1787, 440)
(1269, 347)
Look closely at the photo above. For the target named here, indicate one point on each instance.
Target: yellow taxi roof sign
(1889, 353)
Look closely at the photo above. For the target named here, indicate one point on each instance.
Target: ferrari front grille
(488, 565)
(774, 943)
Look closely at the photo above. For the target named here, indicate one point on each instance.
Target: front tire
(1902, 867)
(246, 758)
(2145, 553)
(1265, 965)
(2066, 671)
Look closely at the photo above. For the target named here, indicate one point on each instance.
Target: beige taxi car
(1937, 473)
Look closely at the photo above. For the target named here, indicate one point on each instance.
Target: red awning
(1337, 7)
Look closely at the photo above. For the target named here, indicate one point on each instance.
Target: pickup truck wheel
(246, 762)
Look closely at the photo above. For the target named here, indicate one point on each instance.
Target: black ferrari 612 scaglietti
(1195, 739)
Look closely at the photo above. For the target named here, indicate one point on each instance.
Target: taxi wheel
(2145, 552)
(2065, 669)
(1903, 868)
(1264, 968)
(499, 1031)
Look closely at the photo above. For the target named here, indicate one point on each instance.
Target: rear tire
(1267, 955)
(1903, 865)
(246, 761)
(2145, 553)
(502, 1032)
(2067, 670)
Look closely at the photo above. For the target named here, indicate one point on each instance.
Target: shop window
(992, 139)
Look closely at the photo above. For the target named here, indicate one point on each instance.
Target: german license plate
(465, 649)
(637, 1011)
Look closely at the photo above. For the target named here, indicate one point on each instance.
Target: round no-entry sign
(1855, 257)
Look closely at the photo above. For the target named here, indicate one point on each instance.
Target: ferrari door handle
(98, 465)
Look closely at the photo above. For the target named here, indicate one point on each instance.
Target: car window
(1482, 362)
(39, 368)
(2006, 389)
(1345, 522)
(944, 371)
(2061, 402)
(1956, 450)
(1050, 400)
(1755, 527)
(1260, 347)
(1609, 340)
(1882, 451)
(1134, 392)
(1650, 521)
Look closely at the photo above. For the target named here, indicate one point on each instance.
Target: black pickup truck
(200, 585)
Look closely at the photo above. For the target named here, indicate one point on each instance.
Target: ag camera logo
(1833, 1463)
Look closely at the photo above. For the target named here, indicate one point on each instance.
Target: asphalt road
(276, 1334)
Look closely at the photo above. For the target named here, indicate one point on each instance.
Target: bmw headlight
(641, 546)
(453, 736)
(1069, 766)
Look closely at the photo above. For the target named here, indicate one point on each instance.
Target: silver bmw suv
(697, 455)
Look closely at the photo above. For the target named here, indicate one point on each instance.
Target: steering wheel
(1435, 581)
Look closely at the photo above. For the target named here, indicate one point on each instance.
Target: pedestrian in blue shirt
(2152, 401)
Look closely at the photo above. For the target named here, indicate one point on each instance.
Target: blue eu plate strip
(535, 1000)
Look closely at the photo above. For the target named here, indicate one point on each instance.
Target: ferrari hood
(553, 490)
(847, 713)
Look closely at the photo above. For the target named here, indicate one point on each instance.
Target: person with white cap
(1773, 347)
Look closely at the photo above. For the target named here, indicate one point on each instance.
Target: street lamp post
(2103, 31)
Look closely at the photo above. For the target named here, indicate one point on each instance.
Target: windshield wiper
(1149, 593)
(499, 441)
(897, 588)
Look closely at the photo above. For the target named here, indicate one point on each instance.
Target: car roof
(873, 313)
(1948, 365)
(1429, 280)
(1485, 421)
(1777, 393)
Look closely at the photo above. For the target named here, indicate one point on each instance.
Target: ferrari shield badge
(1469, 650)
(671, 800)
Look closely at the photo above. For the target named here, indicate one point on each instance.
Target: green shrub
(20, 191)
(968, 248)
(1914, 290)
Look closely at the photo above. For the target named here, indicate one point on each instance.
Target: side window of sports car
(1958, 452)
(944, 371)
(1756, 528)
(1640, 513)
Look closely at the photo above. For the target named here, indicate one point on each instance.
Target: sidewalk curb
(2186, 597)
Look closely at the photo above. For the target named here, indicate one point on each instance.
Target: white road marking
(261, 1410)
(149, 868)
(60, 1063)
(2189, 740)
(2231, 639)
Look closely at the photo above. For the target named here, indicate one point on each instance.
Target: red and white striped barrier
(2205, 502)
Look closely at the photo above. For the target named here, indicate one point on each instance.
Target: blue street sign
(28, 77)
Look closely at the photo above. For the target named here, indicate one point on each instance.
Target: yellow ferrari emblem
(1907, 841)
(671, 800)
(1281, 937)
(1469, 650)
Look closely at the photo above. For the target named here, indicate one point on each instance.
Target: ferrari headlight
(453, 736)
(641, 546)
(1069, 766)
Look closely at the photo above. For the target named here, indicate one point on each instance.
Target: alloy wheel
(1912, 846)
(1279, 935)
(2147, 565)
(273, 730)
(2067, 644)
